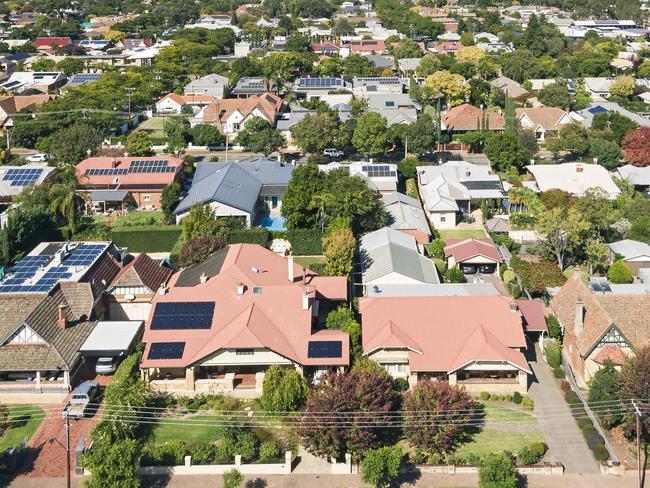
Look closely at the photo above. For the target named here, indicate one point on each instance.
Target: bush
(539, 448)
(559, 373)
(305, 242)
(600, 452)
(198, 249)
(620, 272)
(269, 452)
(509, 276)
(485, 395)
(497, 471)
(572, 398)
(223, 452)
(232, 478)
(246, 445)
(584, 423)
(508, 398)
(147, 239)
(554, 327)
(454, 275)
(564, 386)
(411, 188)
(527, 456)
(381, 466)
(553, 354)
(256, 235)
(437, 249)
(170, 454)
(527, 403)
(517, 398)
(400, 384)
(202, 452)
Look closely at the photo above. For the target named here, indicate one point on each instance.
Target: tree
(284, 390)
(70, 145)
(497, 471)
(169, 199)
(206, 135)
(436, 416)
(623, 86)
(406, 48)
(470, 54)
(199, 222)
(138, 143)
(573, 138)
(454, 275)
(64, 198)
(505, 152)
(381, 466)
(604, 390)
(342, 27)
(356, 65)
(636, 147)
(428, 65)
(450, 86)
(620, 273)
(306, 181)
(343, 319)
(612, 125)
(112, 463)
(232, 478)
(561, 231)
(259, 136)
(634, 380)
(198, 249)
(359, 390)
(26, 227)
(555, 95)
(519, 65)
(421, 135)
(370, 136)
(338, 248)
(316, 132)
(597, 255)
(177, 131)
(607, 152)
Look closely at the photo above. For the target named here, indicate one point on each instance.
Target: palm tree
(64, 197)
(322, 202)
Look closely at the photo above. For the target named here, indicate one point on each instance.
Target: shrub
(400, 384)
(600, 452)
(246, 445)
(517, 398)
(553, 354)
(527, 456)
(437, 249)
(305, 242)
(418, 457)
(232, 478)
(202, 452)
(572, 398)
(269, 452)
(509, 276)
(381, 466)
(527, 403)
(147, 239)
(584, 423)
(558, 372)
(454, 275)
(170, 454)
(198, 249)
(284, 390)
(565, 386)
(620, 272)
(539, 448)
(411, 188)
(223, 452)
(485, 395)
(508, 398)
(256, 235)
(554, 327)
(497, 471)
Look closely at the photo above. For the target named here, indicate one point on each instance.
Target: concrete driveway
(565, 441)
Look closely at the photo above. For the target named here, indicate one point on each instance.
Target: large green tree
(284, 390)
(506, 152)
(138, 143)
(370, 136)
(380, 467)
(260, 137)
(316, 132)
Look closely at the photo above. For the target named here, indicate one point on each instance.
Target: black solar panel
(166, 350)
(182, 315)
(324, 349)
(482, 185)
(22, 176)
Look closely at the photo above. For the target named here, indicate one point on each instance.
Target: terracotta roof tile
(463, 249)
(219, 110)
(466, 117)
(610, 352)
(545, 117)
(143, 271)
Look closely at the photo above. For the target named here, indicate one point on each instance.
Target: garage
(111, 339)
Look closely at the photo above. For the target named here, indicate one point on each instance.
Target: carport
(112, 338)
(105, 197)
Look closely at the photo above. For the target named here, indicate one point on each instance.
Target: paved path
(310, 464)
(564, 438)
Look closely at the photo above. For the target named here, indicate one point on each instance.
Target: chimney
(305, 300)
(114, 163)
(290, 267)
(61, 321)
(241, 288)
(579, 169)
(580, 317)
(203, 278)
(161, 289)
(513, 306)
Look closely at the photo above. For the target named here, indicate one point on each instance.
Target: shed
(112, 338)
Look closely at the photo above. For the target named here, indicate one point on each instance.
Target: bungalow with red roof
(173, 103)
(367, 46)
(50, 44)
(473, 341)
(473, 255)
(326, 47)
(609, 324)
(448, 47)
(143, 177)
(467, 118)
(220, 324)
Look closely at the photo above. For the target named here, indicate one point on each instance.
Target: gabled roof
(188, 99)
(533, 313)
(574, 178)
(466, 117)
(220, 110)
(635, 175)
(610, 352)
(630, 249)
(405, 213)
(391, 335)
(546, 118)
(464, 249)
(110, 173)
(510, 87)
(143, 271)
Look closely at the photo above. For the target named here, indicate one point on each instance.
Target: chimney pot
(305, 300)
(161, 289)
(114, 163)
(241, 288)
(579, 317)
(290, 268)
(62, 321)
(203, 278)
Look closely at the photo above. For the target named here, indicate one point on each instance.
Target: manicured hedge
(305, 242)
(256, 235)
(147, 239)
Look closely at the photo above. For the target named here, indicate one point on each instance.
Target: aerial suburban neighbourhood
(339, 244)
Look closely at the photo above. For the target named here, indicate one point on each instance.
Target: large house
(406, 215)
(173, 103)
(471, 255)
(473, 341)
(220, 324)
(601, 322)
(451, 190)
(248, 189)
(212, 85)
(468, 118)
(50, 301)
(14, 179)
(574, 178)
(232, 114)
(543, 121)
(34, 82)
(144, 178)
(382, 177)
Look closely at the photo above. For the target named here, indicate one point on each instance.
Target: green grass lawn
(153, 127)
(148, 217)
(498, 413)
(488, 441)
(185, 431)
(461, 234)
(31, 418)
(307, 261)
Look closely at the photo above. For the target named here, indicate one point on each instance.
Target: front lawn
(153, 127)
(24, 420)
(489, 440)
(184, 430)
(461, 234)
(499, 413)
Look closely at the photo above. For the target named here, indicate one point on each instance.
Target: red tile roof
(533, 312)
(367, 46)
(467, 117)
(611, 352)
(129, 180)
(49, 41)
(464, 249)
(143, 271)
(444, 333)
(274, 318)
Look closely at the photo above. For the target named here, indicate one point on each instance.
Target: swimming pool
(274, 222)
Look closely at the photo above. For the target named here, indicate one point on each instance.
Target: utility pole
(637, 414)
(129, 92)
(67, 449)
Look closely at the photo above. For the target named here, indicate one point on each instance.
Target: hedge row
(589, 432)
(147, 238)
(305, 242)
(256, 235)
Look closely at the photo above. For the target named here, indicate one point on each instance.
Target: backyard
(154, 127)
(23, 422)
(461, 233)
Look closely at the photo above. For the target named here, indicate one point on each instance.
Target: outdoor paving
(562, 435)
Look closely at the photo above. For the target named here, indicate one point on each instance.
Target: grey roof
(409, 64)
(508, 86)
(391, 101)
(630, 249)
(108, 195)
(250, 86)
(433, 290)
(405, 213)
(115, 336)
(586, 116)
(496, 224)
(210, 267)
(635, 175)
(380, 61)
(292, 118)
(399, 116)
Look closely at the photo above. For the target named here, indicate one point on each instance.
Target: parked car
(469, 268)
(107, 365)
(37, 158)
(487, 268)
(81, 397)
(333, 153)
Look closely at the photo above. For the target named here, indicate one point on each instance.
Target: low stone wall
(612, 468)
(543, 468)
(215, 469)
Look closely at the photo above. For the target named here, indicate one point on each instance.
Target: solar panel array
(482, 185)
(320, 82)
(80, 78)
(324, 349)
(106, 171)
(600, 285)
(22, 176)
(380, 80)
(378, 170)
(166, 350)
(28, 267)
(148, 166)
(182, 315)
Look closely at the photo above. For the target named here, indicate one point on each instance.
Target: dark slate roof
(210, 267)
(143, 271)
(101, 274)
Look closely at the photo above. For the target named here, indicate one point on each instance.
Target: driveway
(565, 441)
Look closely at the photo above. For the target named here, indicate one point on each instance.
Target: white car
(107, 365)
(37, 158)
(333, 153)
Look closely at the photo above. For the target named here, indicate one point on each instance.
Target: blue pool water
(274, 222)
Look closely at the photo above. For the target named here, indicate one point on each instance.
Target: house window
(257, 290)
(443, 218)
(235, 126)
(244, 352)
(146, 198)
(397, 368)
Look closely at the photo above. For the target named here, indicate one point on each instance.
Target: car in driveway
(468, 268)
(38, 158)
(80, 400)
(107, 365)
(333, 152)
(488, 268)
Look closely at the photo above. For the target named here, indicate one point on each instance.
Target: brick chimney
(61, 321)
(579, 169)
(580, 317)
(114, 163)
